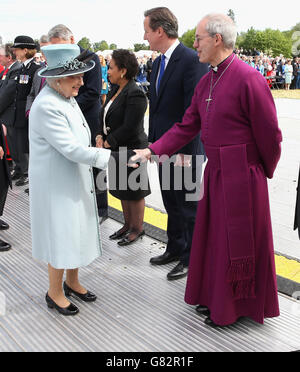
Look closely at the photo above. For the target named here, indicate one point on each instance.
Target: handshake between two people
(139, 156)
(142, 156)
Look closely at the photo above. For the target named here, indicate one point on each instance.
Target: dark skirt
(3, 186)
(127, 183)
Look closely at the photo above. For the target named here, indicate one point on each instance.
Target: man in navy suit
(174, 77)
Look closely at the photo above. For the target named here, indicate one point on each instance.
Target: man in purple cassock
(232, 269)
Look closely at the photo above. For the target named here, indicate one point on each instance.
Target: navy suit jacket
(89, 97)
(175, 94)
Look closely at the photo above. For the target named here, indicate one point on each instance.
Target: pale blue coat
(64, 217)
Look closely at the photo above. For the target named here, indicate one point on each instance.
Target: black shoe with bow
(4, 247)
(71, 310)
(86, 297)
(3, 225)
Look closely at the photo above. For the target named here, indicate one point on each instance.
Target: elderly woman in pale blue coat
(64, 218)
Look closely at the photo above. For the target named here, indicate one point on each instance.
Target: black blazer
(177, 87)
(7, 95)
(125, 118)
(6, 173)
(22, 91)
(297, 210)
(89, 96)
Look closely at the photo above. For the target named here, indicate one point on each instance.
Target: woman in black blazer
(122, 126)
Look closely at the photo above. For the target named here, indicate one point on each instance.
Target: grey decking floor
(137, 308)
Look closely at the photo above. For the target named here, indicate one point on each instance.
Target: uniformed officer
(25, 48)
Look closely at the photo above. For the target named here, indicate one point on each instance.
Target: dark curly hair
(123, 58)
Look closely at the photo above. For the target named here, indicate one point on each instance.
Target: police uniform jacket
(23, 87)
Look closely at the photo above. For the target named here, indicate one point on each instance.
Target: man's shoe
(163, 259)
(15, 175)
(3, 225)
(203, 310)
(179, 271)
(4, 247)
(22, 181)
(210, 323)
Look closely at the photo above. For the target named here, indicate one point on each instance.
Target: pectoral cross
(208, 102)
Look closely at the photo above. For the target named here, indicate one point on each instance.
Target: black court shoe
(3, 225)
(127, 241)
(87, 297)
(4, 247)
(71, 310)
(118, 234)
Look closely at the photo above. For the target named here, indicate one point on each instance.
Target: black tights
(133, 211)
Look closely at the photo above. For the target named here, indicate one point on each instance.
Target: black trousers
(181, 212)
(17, 140)
(3, 186)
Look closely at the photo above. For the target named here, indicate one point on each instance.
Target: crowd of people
(71, 114)
(281, 72)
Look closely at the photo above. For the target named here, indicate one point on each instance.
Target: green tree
(85, 43)
(100, 45)
(113, 46)
(188, 38)
(139, 46)
(273, 42)
(231, 14)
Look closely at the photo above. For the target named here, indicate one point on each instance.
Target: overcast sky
(121, 22)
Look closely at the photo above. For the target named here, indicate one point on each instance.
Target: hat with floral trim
(65, 60)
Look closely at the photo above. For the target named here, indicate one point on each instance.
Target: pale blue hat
(65, 60)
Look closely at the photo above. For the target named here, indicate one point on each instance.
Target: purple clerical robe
(232, 268)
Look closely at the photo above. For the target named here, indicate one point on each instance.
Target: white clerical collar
(216, 68)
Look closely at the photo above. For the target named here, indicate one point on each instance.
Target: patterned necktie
(161, 71)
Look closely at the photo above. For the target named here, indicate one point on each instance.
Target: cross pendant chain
(208, 102)
(212, 87)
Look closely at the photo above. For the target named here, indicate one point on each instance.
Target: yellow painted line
(152, 217)
(286, 268)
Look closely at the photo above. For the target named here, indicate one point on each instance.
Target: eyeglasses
(200, 38)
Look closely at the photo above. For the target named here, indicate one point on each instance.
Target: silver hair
(223, 25)
(44, 39)
(61, 32)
